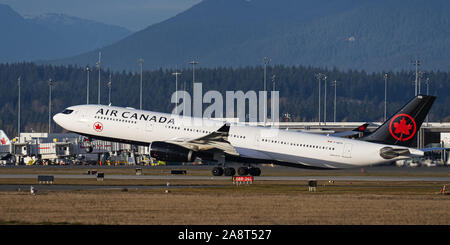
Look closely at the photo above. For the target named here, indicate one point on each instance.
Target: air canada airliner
(176, 138)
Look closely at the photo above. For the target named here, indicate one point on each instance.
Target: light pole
(273, 82)
(385, 95)
(428, 91)
(266, 61)
(141, 62)
(417, 64)
(50, 84)
(184, 102)
(87, 84)
(109, 89)
(176, 73)
(325, 101)
(193, 63)
(99, 64)
(421, 73)
(18, 108)
(319, 77)
(272, 114)
(335, 84)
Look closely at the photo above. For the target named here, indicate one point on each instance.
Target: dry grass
(263, 203)
(258, 204)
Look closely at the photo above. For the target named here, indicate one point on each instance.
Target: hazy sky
(132, 14)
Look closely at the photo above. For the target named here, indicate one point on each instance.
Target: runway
(73, 175)
(66, 187)
(256, 178)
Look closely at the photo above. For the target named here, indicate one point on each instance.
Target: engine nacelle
(171, 153)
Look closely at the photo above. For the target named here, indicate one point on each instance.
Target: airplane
(176, 138)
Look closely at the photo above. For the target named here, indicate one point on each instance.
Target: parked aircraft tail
(3, 138)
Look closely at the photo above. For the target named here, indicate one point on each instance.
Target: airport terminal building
(43, 148)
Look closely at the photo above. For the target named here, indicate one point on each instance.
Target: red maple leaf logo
(402, 127)
(405, 128)
(3, 140)
(98, 126)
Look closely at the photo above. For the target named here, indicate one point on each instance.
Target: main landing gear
(242, 171)
(227, 171)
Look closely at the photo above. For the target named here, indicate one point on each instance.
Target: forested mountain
(360, 95)
(51, 36)
(347, 34)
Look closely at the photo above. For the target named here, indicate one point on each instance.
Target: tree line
(359, 95)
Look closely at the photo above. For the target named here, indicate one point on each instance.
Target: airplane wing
(355, 131)
(216, 141)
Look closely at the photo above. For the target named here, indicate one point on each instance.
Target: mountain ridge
(239, 33)
(51, 36)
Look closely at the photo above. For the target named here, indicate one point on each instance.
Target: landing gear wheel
(243, 171)
(229, 171)
(258, 172)
(254, 171)
(217, 171)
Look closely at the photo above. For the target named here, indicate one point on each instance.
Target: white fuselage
(313, 150)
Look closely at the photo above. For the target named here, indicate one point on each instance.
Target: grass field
(256, 204)
(261, 203)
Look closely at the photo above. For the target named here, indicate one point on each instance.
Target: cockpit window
(67, 111)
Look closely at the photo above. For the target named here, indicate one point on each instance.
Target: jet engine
(389, 152)
(170, 152)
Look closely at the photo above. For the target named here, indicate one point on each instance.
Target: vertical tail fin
(361, 129)
(3, 138)
(402, 127)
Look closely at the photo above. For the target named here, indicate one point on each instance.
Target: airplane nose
(57, 119)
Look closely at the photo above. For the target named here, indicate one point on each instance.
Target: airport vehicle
(176, 138)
